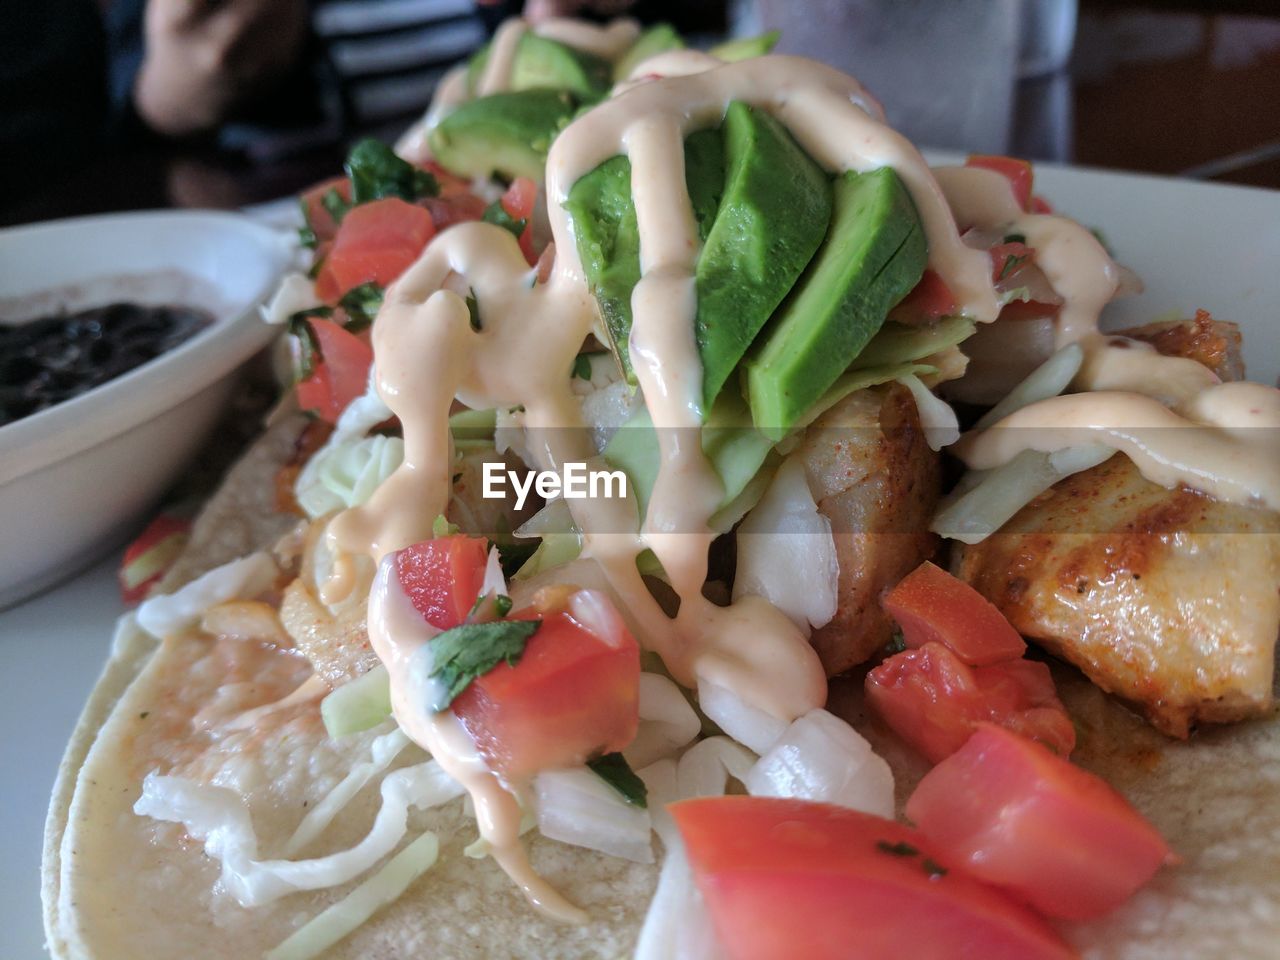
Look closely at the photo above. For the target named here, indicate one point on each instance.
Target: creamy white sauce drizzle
(1170, 415)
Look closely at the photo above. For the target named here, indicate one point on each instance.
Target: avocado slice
(608, 237)
(873, 255)
(744, 48)
(507, 134)
(771, 220)
(658, 38)
(543, 63)
(475, 68)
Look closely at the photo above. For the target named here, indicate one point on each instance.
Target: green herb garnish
(933, 868)
(1015, 238)
(441, 527)
(473, 308)
(897, 643)
(306, 236)
(335, 204)
(497, 214)
(614, 770)
(582, 367)
(471, 650)
(307, 354)
(361, 305)
(1010, 265)
(376, 172)
(899, 849)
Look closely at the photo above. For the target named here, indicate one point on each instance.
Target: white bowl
(74, 478)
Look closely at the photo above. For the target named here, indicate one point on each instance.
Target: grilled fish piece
(874, 477)
(1214, 343)
(1166, 598)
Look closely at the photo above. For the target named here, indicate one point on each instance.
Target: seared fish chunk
(1166, 598)
(874, 477)
(1214, 343)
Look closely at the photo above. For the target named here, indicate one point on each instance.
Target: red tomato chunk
(442, 577)
(934, 701)
(376, 242)
(1018, 172)
(1047, 831)
(340, 376)
(787, 879)
(932, 606)
(572, 696)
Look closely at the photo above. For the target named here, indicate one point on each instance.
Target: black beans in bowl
(51, 359)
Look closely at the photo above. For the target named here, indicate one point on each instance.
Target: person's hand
(205, 57)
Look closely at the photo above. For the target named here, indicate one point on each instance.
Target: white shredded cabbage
(786, 553)
(344, 475)
(384, 750)
(219, 817)
(987, 500)
(340, 919)
(667, 722)
(822, 758)
(1045, 381)
(941, 426)
(576, 806)
(296, 292)
(747, 724)
(241, 579)
(704, 770)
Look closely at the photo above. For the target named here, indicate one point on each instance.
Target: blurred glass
(945, 70)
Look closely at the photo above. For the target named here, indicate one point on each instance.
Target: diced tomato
(1018, 172)
(148, 558)
(1007, 259)
(458, 208)
(934, 701)
(519, 201)
(340, 376)
(1040, 205)
(932, 606)
(929, 300)
(319, 219)
(572, 695)
(1049, 832)
(376, 242)
(788, 878)
(442, 577)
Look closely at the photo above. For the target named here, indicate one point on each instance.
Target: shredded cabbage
(219, 817)
(241, 579)
(988, 499)
(786, 553)
(822, 758)
(345, 475)
(384, 750)
(746, 724)
(667, 722)
(576, 806)
(340, 919)
(941, 427)
(1045, 381)
(358, 704)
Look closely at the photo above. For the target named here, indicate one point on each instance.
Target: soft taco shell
(117, 885)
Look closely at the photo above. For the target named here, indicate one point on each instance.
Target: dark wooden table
(1161, 87)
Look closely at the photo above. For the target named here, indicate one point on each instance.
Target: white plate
(1196, 245)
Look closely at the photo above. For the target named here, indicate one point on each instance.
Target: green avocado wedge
(873, 255)
(541, 63)
(657, 39)
(744, 48)
(771, 220)
(507, 134)
(608, 237)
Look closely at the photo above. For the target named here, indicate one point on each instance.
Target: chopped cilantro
(490, 606)
(614, 770)
(1015, 238)
(497, 214)
(361, 305)
(334, 204)
(307, 352)
(933, 868)
(897, 643)
(306, 236)
(473, 308)
(582, 367)
(899, 849)
(376, 172)
(441, 527)
(471, 650)
(1010, 265)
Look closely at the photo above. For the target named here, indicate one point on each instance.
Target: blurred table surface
(1158, 87)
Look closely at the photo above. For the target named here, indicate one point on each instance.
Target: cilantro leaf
(1011, 264)
(306, 236)
(897, 643)
(582, 367)
(471, 650)
(1015, 238)
(441, 527)
(361, 305)
(376, 172)
(497, 214)
(473, 308)
(614, 770)
(335, 204)
(899, 849)
(306, 353)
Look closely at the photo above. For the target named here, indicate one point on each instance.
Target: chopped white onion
(661, 783)
(1045, 381)
(667, 722)
(340, 919)
(241, 579)
(494, 581)
(678, 925)
(576, 806)
(605, 410)
(747, 724)
(786, 553)
(219, 817)
(987, 500)
(296, 292)
(941, 426)
(706, 768)
(595, 611)
(384, 750)
(822, 758)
